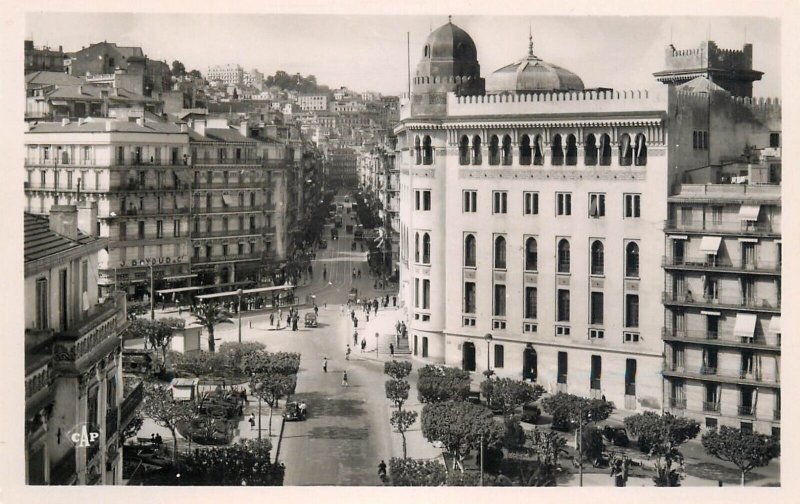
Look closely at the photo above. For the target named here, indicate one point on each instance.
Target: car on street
(323, 244)
(310, 320)
(293, 412)
(353, 295)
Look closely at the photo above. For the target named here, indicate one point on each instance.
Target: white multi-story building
(528, 207)
(229, 74)
(253, 78)
(313, 102)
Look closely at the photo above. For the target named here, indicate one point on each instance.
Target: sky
(369, 52)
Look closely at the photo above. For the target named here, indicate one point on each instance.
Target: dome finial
(450, 19)
(530, 41)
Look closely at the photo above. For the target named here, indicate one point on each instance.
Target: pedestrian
(324, 364)
(347, 353)
(272, 319)
(289, 320)
(316, 310)
(391, 349)
(363, 344)
(355, 338)
(367, 316)
(355, 322)
(397, 328)
(252, 421)
(344, 379)
(159, 440)
(302, 408)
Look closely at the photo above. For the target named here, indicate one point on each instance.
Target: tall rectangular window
(141, 230)
(633, 206)
(470, 201)
(562, 367)
(596, 372)
(426, 294)
(416, 293)
(159, 229)
(176, 228)
(530, 201)
(630, 377)
(596, 309)
(42, 303)
(530, 302)
(563, 305)
(631, 310)
(500, 300)
(469, 297)
(417, 199)
(499, 202)
(426, 200)
(563, 204)
(597, 205)
(499, 356)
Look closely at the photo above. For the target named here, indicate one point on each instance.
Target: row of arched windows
(423, 151)
(563, 265)
(564, 151)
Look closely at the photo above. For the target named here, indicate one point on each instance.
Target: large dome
(531, 74)
(450, 42)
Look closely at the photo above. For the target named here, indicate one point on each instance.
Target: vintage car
(293, 412)
(353, 295)
(310, 320)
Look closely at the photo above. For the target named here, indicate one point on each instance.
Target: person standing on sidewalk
(252, 421)
(355, 338)
(391, 349)
(324, 364)
(344, 379)
(272, 319)
(363, 344)
(347, 353)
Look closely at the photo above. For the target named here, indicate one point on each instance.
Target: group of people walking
(292, 318)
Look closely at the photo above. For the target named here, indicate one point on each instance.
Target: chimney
(80, 90)
(64, 121)
(87, 218)
(243, 129)
(140, 121)
(64, 221)
(184, 128)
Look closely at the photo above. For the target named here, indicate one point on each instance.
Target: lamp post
(377, 344)
(152, 296)
(258, 390)
(239, 313)
(488, 339)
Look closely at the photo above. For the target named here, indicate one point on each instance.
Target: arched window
(500, 252)
(494, 150)
(427, 151)
(604, 150)
(641, 150)
(469, 251)
(416, 247)
(525, 150)
(572, 150)
(531, 254)
(632, 260)
(417, 151)
(538, 150)
(427, 51)
(426, 248)
(563, 256)
(597, 258)
(506, 150)
(625, 151)
(463, 151)
(476, 150)
(557, 150)
(590, 151)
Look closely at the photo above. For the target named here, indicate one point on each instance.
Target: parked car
(530, 413)
(310, 320)
(616, 435)
(293, 412)
(323, 244)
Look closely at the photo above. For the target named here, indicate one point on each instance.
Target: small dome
(451, 43)
(531, 74)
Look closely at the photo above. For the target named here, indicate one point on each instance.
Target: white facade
(229, 74)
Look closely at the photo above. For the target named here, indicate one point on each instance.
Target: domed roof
(531, 74)
(450, 42)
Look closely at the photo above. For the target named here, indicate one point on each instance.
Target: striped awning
(710, 244)
(745, 325)
(749, 212)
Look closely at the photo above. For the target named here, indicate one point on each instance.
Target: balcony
(722, 265)
(226, 258)
(677, 403)
(708, 370)
(225, 161)
(230, 209)
(746, 410)
(153, 212)
(712, 338)
(729, 302)
(136, 187)
(711, 407)
(731, 226)
(711, 374)
(232, 184)
(130, 404)
(62, 472)
(233, 233)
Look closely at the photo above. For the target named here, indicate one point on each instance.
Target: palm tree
(208, 315)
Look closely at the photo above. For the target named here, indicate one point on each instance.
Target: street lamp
(257, 389)
(239, 293)
(377, 344)
(488, 339)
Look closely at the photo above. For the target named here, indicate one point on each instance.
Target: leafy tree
(236, 356)
(440, 383)
(196, 74)
(209, 315)
(568, 409)
(271, 388)
(507, 394)
(459, 425)
(402, 421)
(244, 463)
(591, 443)
(514, 434)
(661, 436)
(413, 472)
(397, 392)
(157, 333)
(398, 370)
(544, 447)
(132, 428)
(747, 450)
(159, 405)
(197, 364)
(283, 363)
(178, 69)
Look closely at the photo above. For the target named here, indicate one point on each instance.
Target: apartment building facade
(232, 75)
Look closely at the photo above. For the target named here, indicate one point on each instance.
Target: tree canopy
(747, 450)
(507, 394)
(661, 436)
(397, 392)
(244, 463)
(441, 383)
(413, 472)
(209, 315)
(568, 409)
(296, 82)
(159, 405)
(458, 425)
(402, 421)
(273, 387)
(397, 369)
(178, 69)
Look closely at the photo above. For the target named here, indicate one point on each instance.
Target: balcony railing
(747, 410)
(708, 370)
(712, 407)
(713, 338)
(226, 258)
(229, 209)
(62, 471)
(130, 403)
(103, 321)
(758, 304)
(231, 184)
(136, 187)
(231, 233)
(226, 161)
(725, 226)
(111, 422)
(721, 264)
(678, 403)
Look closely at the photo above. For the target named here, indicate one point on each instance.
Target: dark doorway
(425, 346)
(415, 344)
(529, 365)
(468, 357)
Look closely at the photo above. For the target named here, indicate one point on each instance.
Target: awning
(775, 325)
(180, 277)
(711, 313)
(745, 325)
(710, 244)
(749, 212)
(177, 289)
(184, 176)
(245, 292)
(61, 103)
(227, 199)
(679, 237)
(748, 240)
